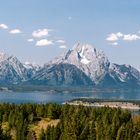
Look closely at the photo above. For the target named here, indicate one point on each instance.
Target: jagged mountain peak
(125, 74)
(81, 46)
(3, 56)
(80, 53)
(88, 53)
(92, 61)
(7, 57)
(12, 71)
(30, 65)
(82, 65)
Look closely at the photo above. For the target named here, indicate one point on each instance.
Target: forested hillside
(56, 122)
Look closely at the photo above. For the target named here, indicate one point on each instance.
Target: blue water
(46, 97)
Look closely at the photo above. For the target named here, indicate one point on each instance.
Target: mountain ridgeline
(84, 65)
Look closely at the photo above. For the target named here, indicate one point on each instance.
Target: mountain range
(83, 65)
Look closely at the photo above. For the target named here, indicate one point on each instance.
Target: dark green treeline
(76, 122)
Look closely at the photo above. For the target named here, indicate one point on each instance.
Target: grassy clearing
(42, 124)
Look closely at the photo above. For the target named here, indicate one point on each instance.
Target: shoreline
(122, 105)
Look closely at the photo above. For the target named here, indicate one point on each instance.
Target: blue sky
(39, 30)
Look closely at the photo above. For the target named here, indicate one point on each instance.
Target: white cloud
(30, 40)
(119, 34)
(112, 37)
(131, 37)
(44, 42)
(63, 47)
(3, 26)
(114, 43)
(40, 33)
(60, 41)
(15, 31)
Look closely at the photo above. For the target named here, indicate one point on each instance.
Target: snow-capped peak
(3, 56)
(84, 60)
(82, 47)
(87, 58)
(87, 52)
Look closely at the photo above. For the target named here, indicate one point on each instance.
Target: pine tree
(120, 133)
(42, 135)
(85, 133)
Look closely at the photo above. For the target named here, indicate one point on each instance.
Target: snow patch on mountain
(82, 65)
(29, 65)
(13, 71)
(125, 73)
(84, 60)
(87, 58)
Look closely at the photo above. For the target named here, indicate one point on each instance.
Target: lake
(46, 97)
